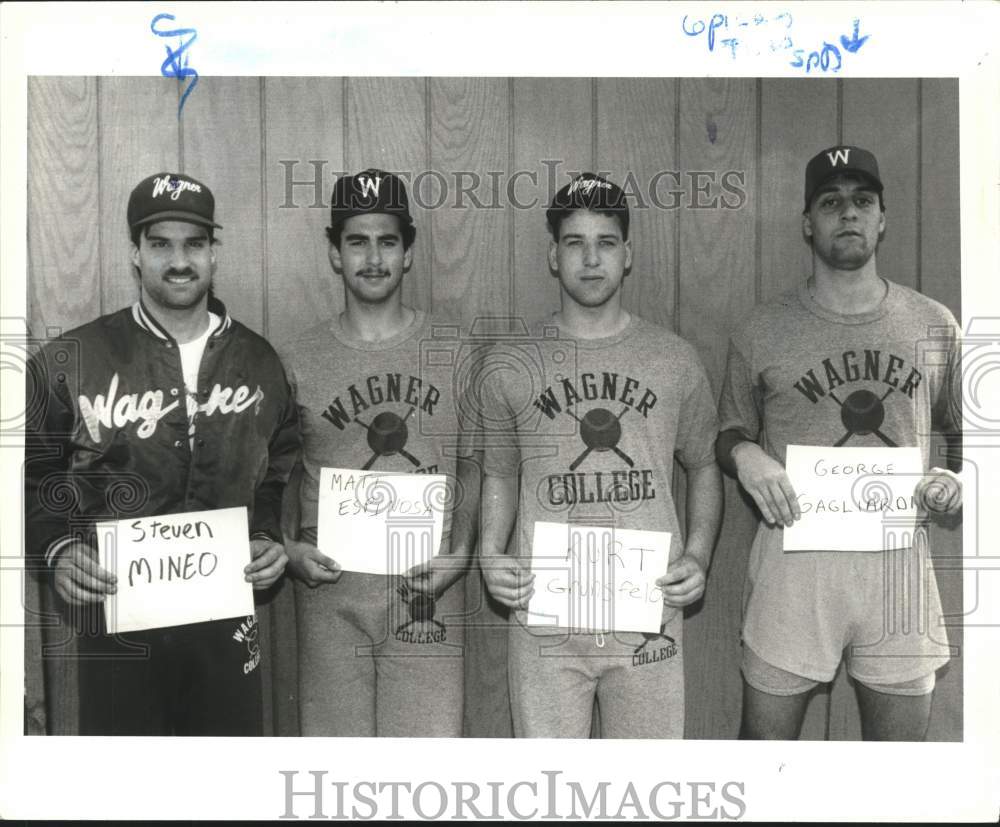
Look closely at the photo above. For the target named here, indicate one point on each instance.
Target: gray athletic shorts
(806, 611)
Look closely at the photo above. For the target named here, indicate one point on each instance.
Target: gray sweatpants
(638, 680)
(375, 661)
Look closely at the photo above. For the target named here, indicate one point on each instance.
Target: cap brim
(877, 185)
(177, 215)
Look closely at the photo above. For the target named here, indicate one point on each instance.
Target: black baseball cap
(371, 191)
(589, 191)
(171, 196)
(840, 160)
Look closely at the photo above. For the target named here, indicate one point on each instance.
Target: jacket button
(173, 391)
(178, 443)
(199, 442)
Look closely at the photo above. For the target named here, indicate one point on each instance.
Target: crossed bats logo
(647, 637)
(387, 435)
(862, 413)
(600, 431)
(422, 608)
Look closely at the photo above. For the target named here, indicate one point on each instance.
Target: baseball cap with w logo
(840, 160)
(171, 196)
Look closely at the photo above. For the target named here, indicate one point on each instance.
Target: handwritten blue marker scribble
(855, 42)
(177, 63)
(758, 33)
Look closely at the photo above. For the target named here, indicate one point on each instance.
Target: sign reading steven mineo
(597, 578)
(176, 569)
(853, 499)
(380, 523)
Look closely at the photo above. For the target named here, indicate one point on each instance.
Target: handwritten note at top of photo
(378, 522)
(853, 499)
(176, 569)
(597, 578)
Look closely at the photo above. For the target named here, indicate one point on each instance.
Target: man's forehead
(176, 229)
(846, 181)
(603, 224)
(372, 224)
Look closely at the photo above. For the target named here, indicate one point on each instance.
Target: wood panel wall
(698, 270)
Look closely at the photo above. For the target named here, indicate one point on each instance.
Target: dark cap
(170, 196)
(370, 191)
(588, 192)
(840, 160)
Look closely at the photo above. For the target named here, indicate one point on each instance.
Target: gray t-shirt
(383, 406)
(593, 426)
(800, 374)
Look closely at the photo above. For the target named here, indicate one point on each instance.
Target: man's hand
(308, 564)
(435, 576)
(78, 579)
(683, 583)
(268, 563)
(508, 580)
(766, 481)
(940, 491)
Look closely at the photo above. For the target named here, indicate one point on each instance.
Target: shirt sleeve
(282, 452)
(50, 494)
(498, 431)
(698, 424)
(946, 414)
(740, 401)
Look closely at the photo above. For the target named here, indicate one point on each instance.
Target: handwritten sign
(597, 578)
(853, 499)
(380, 523)
(176, 569)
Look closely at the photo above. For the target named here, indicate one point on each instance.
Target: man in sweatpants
(592, 441)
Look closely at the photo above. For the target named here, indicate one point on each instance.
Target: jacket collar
(148, 322)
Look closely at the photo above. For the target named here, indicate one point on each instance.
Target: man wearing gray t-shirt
(589, 440)
(838, 362)
(379, 654)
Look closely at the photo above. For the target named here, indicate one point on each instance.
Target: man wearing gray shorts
(593, 443)
(838, 361)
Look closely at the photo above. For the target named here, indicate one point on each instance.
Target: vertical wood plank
(469, 132)
(304, 122)
(881, 116)
(635, 146)
(386, 128)
(221, 146)
(798, 118)
(940, 243)
(139, 137)
(64, 255)
(64, 290)
(717, 134)
(553, 122)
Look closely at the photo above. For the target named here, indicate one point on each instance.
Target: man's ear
(407, 258)
(881, 222)
(335, 261)
(628, 254)
(553, 258)
(134, 255)
(807, 227)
